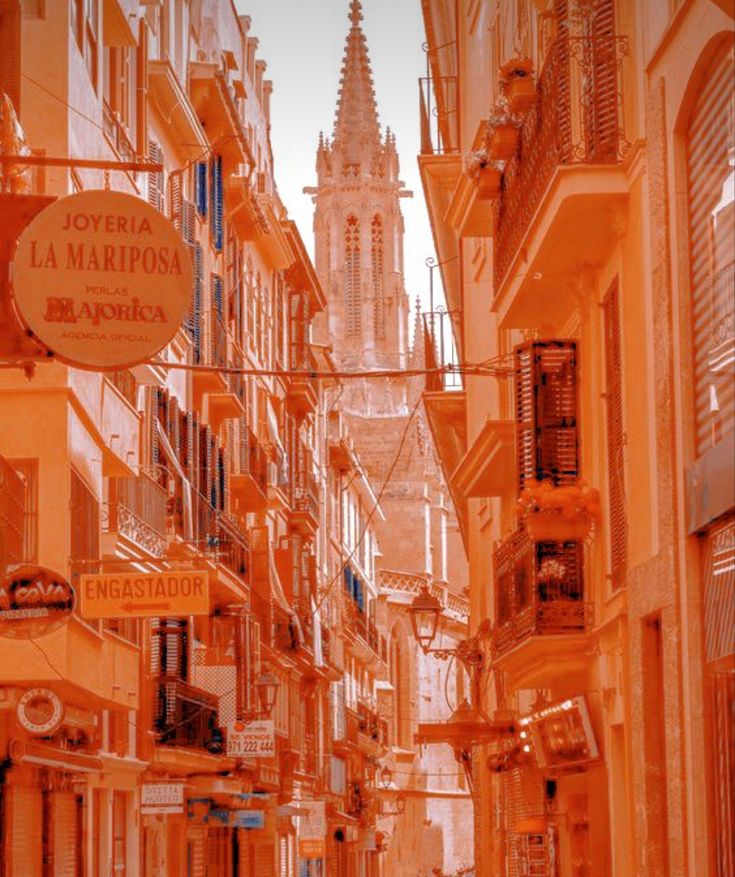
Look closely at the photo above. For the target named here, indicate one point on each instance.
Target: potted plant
(486, 173)
(558, 514)
(519, 84)
(503, 132)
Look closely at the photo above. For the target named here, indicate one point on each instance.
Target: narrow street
(367, 495)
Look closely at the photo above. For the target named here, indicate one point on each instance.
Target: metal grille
(719, 590)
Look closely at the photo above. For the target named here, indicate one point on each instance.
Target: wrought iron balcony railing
(136, 509)
(440, 350)
(577, 118)
(186, 716)
(438, 114)
(539, 590)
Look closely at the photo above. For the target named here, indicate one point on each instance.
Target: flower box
(488, 183)
(503, 142)
(554, 526)
(521, 93)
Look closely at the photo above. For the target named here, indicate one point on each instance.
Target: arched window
(376, 253)
(710, 143)
(353, 303)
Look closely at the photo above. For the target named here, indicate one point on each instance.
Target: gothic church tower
(358, 223)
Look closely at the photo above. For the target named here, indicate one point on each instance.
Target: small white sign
(251, 740)
(158, 798)
(312, 825)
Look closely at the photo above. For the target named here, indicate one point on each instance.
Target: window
(710, 144)
(353, 302)
(376, 252)
(216, 199)
(84, 554)
(86, 27)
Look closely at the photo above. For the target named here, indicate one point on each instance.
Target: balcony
(542, 617)
(366, 642)
(228, 400)
(372, 729)
(305, 504)
(12, 516)
(136, 515)
(567, 174)
(301, 396)
(88, 669)
(249, 481)
(186, 716)
(438, 115)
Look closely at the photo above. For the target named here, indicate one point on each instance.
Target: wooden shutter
(615, 437)
(155, 180)
(546, 411)
(176, 201)
(710, 141)
(201, 188)
(719, 590)
(722, 688)
(196, 851)
(216, 198)
(10, 51)
(193, 322)
(600, 85)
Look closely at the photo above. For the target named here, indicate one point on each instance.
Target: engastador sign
(116, 595)
(102, 279)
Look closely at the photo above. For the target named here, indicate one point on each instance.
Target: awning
(273, 426)
(280, 595)
(49, 756)
(185, 484)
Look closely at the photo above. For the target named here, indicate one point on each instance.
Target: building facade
(577, 161)
(222, 456)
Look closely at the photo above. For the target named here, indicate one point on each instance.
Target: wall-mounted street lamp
(267, 687)
(385, 781)
(425, 612)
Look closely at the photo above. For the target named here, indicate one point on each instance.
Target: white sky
(303, 42)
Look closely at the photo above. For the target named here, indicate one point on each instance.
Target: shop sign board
(40, 711)
(144, 595)
(312, 829)
(251, 739)
(102, 279)
(34, 601)
(251, 819)
(561, 733)
(158, 798)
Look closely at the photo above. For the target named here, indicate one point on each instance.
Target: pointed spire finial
(356, 13)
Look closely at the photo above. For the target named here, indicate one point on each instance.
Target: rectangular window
(84, 553)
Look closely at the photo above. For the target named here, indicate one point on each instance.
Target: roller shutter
(65, 826)
(25, 831)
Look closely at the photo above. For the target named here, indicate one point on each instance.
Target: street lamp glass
(267, 686)
(385, 777)
(400, 804)
(425, 611)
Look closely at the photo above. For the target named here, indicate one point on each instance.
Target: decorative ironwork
(136, 509)
(412, 583)
(539, 590)
(438, 114)
(557, 131)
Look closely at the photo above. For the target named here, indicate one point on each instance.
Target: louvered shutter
(155, 180)
(216, 198)
(615, 437)
(710, 145)
(196, 852)
(10, 52)
(153, 452)
(201, 188)
(176, 202)
(265, 860)
(283, 857)
(546, 411)
(601, 106)
(64, 830)
(188, 222)
(244, 855)
(25, 820)
(193, 323)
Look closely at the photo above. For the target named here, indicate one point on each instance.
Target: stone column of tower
(359, 230)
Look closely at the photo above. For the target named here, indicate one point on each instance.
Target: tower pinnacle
(356, 127)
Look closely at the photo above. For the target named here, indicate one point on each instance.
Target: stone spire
(356, 127)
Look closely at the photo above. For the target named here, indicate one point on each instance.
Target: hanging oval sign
(34, 601)
(40, 711)
(102, 279)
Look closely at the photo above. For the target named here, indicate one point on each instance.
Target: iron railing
(136, 509)
(577, 118)
(253, 459)
(539, 590)
(186, 716)
(305, 494)
(438, 114)
(440, 350)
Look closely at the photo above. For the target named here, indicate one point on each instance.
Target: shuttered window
(601, 98)
(615, 437)
(155, 180)
(711, 195)
(84, 552)
(216, 200)
(546, 411)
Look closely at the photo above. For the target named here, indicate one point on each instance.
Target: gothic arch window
(353, 303)
(710, 150)
(376, 255)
